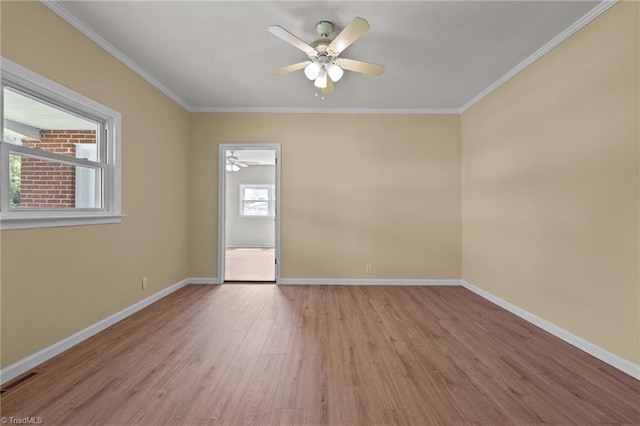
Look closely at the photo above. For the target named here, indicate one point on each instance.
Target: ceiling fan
(233, 163)
(324, 65)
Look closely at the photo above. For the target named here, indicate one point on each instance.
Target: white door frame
(222, 201)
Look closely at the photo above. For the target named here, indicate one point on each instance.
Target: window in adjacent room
(257, 200)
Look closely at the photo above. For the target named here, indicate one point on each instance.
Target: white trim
(373, 281)
(612, 359)
(252, 245)
(25, 364)
(222, 211)
(203, 280)
(572, 29)
(50, 222)
(301, 110)
(278, 219)
(92, 35)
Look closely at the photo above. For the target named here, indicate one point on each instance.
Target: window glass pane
(256, 194)
(38, 183)
(15, 176)
(35, 124)
(255, 208)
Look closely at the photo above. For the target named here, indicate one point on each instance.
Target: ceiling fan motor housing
(324, 28)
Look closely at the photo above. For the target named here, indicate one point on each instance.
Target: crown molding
(572, 29)
(80, 26)
(267, 110)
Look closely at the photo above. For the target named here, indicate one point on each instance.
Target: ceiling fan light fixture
(312, 70)
(335, 72)
(321, 81)
(324, 54)
(235, 168)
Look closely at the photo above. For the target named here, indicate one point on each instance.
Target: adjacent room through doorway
(249, 264)
(250, 181)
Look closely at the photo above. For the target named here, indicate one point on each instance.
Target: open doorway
(248, 226)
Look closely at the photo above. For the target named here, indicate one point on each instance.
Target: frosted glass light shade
(321, 81)
(312, 70)
(335, 72)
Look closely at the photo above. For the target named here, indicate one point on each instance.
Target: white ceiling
(216, 55)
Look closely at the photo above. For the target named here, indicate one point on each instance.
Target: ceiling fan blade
(360, 66)
(290, 68)
(356, 29)
(329, 88)
(242, 164)
(285, 35)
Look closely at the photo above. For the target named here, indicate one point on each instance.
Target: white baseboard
(26, 364)
(364, 281)
(203, 281)
(251, 245)
(612, 359)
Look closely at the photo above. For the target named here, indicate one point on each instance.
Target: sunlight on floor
(250, 264)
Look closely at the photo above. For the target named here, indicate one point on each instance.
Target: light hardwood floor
(268, 355)
(250, 264)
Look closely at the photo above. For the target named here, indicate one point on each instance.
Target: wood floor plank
(254, 402)
(313, 355)
(289, 378)
(218, 401)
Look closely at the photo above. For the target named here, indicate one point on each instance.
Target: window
(59, 155)
(257, 200)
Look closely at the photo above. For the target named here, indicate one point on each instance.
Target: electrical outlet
(367, 269)
(145, 282)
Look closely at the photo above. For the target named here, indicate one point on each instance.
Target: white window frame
(22, 79)
(271, 202)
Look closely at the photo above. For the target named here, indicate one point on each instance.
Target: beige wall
(356, 190)
(551, 186)
(57, 281)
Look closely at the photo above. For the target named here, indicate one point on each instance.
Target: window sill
(54, 222)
